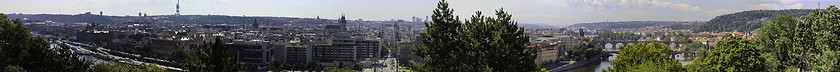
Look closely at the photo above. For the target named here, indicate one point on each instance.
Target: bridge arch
(619, 45)
(609, 46)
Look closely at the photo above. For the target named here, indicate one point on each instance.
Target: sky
(550, 12)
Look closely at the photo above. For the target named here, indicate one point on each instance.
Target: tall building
(255, 25)
(427, 19)
(396, 32)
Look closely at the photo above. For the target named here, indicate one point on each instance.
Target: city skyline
(550, 12)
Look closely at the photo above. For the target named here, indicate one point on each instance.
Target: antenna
(178, 8)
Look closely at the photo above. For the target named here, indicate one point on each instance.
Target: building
(545, 52)
(404, 53)
(299, 53)
(345, 49)
(254, 54)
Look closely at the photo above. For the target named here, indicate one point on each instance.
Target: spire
(343, 22)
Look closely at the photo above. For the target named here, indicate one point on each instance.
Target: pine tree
(440, 47)
(480, 44)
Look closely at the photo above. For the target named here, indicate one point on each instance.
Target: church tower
(343, 22)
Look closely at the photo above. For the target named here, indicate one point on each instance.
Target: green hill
(676, 25)
(747, 20)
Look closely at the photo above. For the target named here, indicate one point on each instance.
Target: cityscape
(420, 36)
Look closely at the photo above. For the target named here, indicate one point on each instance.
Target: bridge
(614, 44)
(604, 55)
(673, 53)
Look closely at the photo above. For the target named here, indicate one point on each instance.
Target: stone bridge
(614, 44)
(673, 53)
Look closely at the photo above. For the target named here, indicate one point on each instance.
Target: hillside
(677, 25)
(537, 26)
(747, 20)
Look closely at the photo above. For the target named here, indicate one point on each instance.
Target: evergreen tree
(499, 43)
(440, 46)
(215, 57)
(480, 44)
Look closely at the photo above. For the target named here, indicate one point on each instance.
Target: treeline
(21, 52)
(637, 24)
(787, 44)
(747, 20)
(619, 36)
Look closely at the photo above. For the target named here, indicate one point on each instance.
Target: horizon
(547, 12)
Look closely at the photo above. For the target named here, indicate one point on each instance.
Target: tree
(115, 66)
(819, 35)
(25, 52)
(734, 54)
(776, 45)
(439, 44)
(215, 57)
(499, 42)
(480, 44)
(654, 54)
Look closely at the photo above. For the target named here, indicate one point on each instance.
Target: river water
(85, 57)
(606, 64)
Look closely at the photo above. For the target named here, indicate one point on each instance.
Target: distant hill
(747, 20)
(677, 25)
(537, 26)
(165, 19)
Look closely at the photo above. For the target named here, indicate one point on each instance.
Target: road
(107, 54)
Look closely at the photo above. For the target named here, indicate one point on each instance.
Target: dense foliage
(645, 57)
(21, 52)
(819, 37)
(775, 42)
(479, 44)
(114, 66)
(619, 36)
(215, 57)
(747, 20)
(734, 55)
(585, 52)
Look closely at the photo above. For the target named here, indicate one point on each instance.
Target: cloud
(762, 6)
(601, 4)
(797, 5)
(638, 12)
(787, 1)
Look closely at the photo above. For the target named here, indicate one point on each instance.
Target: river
(85, 57)
(606, 64)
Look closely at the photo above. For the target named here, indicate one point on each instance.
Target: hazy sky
(552, 12)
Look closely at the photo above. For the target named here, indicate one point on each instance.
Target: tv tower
(178, 8)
